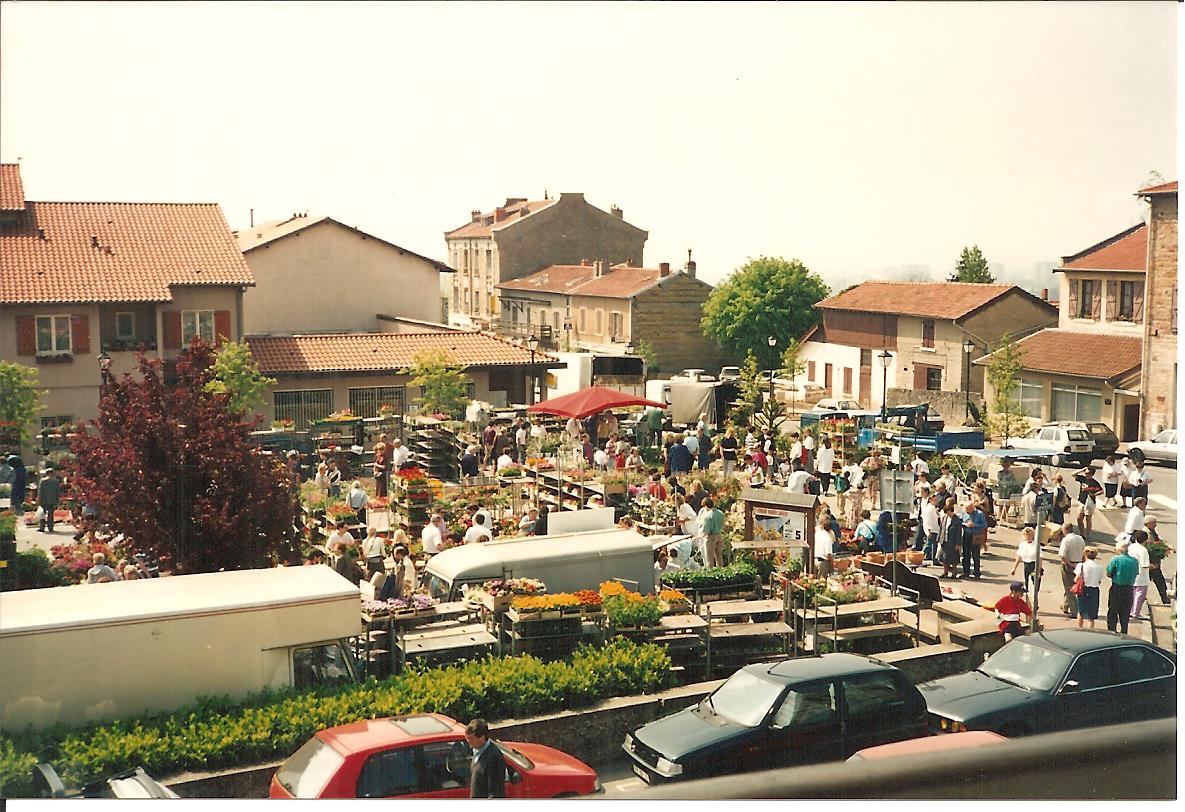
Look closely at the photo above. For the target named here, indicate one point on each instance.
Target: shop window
(1070, 402)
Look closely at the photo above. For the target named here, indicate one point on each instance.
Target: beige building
(612, 310)
(1159, 381)
(80, 279)
(315, 275)
(521, 237)
(927, 332)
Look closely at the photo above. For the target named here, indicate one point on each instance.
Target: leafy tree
(972, 267)
(749, 389)
(443, 384)
(173, 469)
(1005, 417)
(20, 401)
(645, 351)
(767, 296)
(236, 374)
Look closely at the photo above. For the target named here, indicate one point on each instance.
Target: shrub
(633, 609)
(270, 726)
(33, 569)
(735, 574)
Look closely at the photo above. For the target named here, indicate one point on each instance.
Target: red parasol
(590, 401)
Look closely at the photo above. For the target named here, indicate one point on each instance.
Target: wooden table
(722, 609)
(682, 622)
(855, 609)
(735, 630)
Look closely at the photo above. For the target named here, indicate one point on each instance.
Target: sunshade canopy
(591, 401)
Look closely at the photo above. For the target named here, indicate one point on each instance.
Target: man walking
(1071, 553)
(49, 491)
(1138, 551)
(487, 778)
(1123, 570)
(1135, 516)
(711, 522)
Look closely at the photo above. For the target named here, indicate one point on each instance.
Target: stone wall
(950, 405)
(1159, 383)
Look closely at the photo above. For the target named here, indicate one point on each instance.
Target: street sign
(1045, 500)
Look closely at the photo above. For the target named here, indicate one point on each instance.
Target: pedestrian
(1010, 608)
(1157, 550)
(705, 449)
(797, 481)
(430, 537)
(20, 483)
(1028, 505)
(1005, 488)
(655, 489)
(824, 547)
(400, 455)
(504, 461)
(470, 467)
(521, 436)
(884, 532)
(541, 522)
(1091, 572)
(1139, 478)
(478, 532)
(1111, 474)
(357, 500)
(1028, 553)
(1090, 490)
(100, 570)
(728, 450)
(488, 435)
(381, 470)
(374, 551)
(950, 536)
(929, 525)
(1138, 551)
(872, 466)
(654, 419)
(974, 531)
(711, 522)
(919, 467)
(824, 464)
(855, 505)
(49, 491)
(685, 515)
(487, 775)
(697, 496)
(1061, 501)
(842, 486)
(1125, 486)
(865, 533)
(1123, 570)
(1071, 552)
(334, 478)
(1135, 516)
(679, 457)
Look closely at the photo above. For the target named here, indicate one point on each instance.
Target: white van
(565, 563)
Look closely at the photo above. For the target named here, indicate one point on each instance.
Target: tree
(172, 469)
(443, 385)
(767, 296)
(749, 389)
(236, 374)
(20, 401)
(645, 351)
(1005, 417)
(972, 267)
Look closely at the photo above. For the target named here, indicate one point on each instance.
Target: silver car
(1161, 448)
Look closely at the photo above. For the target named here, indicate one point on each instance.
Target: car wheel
(1056, 460)
(1014, 730)
(1136, 454)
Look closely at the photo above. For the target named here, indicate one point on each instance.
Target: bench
(929, 662)
(863, 632)
(928, 629)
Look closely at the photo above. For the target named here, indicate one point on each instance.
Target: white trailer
(78, 654)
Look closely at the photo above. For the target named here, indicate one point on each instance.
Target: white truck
(78, 654)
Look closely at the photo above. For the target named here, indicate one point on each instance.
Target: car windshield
(1077, 435)
(745, 698)
(1026, 665)
(310, 768)
(437, 587)
(1165, 436)
(515, 757)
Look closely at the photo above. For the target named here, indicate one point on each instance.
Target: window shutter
(1138, 302)
(919, 376)
(1096, 303)
(26, 335)
(1073, 303)
(222, 326)
(1112, 300)
(80, 334)
(172, 320)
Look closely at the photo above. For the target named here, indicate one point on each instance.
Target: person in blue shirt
(884, 532)
(679, 458)
(974, 529)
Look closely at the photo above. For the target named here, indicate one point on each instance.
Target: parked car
(1105, 441)
(788, 390)
(129, 784)
(423, 755)
(1161, 448)
(1069, 445)
(694, 374)
(795, 711)
(1062, 679)
(835, 405)
(929, 744)
(729, 374)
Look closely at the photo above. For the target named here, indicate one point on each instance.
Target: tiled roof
(1169, 188)
(265, 233)
(552, 279)
(1126, 251)
(621, 282)
(1087, 355)
(933, 300)
(12, 195)
(514, 214)
(372, 352)
(116, 252)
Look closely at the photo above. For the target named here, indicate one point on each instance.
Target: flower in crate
(526, 586)
(496, 588)
(589, 599)
(421, 601)
(672, 595)
(610, 588)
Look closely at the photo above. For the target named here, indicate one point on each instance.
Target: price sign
(772, 523)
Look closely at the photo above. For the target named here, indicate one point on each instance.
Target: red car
(424, 755)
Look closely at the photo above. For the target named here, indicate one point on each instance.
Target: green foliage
(972, 267)
(771, 415)
(645, 351)
(737, 573)
(236, 374)
(633, 609)
(33, 569)
(767, 296)
(1005, 418)
(7, 526)
(443, 384)
(749, 392)
(272, 726)
(19, 400)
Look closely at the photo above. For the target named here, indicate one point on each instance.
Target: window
(302, 407)
(865, 358)
(1092, 670)
(198, 323)
(125, 325)
(1136, 663)
(1070, 402)
(1048, 435)
(388, 774)
(616, 328)
(555, 321)
(53, 335)
(489, 259)
(1032, 397)
(847, 380)
(446, 765)
(807, 705)
(1125, 307)
(581, 322)
(317, 666)
(310, 768)
(934, 379)
(928, 334)
(365, 401)
(53, 422)
(873, 696)
(1089, 288)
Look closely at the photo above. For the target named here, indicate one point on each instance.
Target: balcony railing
(543, 332)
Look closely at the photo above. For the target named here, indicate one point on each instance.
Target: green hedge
(737, 573)
(213, 736)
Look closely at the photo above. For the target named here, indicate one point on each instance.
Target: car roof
(802, 669)
(370, 734)
(1077, 641)
(930, 744)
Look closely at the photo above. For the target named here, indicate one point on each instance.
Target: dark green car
(800, 711)
(1057, 680)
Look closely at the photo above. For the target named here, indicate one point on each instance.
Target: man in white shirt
(430, 536)
(691, 443)
(929, 516)
(1135, 517)
(796, 483)
(795, 448)
(374, 551)
(538, 430)
(1138, 551)
(504, 461)
(1071, 552)
(399, 454)
(948, 479)
(478, 532)
(919, 467)
(520, 442)
(824, 548)
(340, 537)
(573, 427)
(824, 463)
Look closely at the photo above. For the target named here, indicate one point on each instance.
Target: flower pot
(914, 557)
(842, 564)
(876, 558)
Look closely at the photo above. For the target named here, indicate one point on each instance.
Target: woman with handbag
(1087, 581)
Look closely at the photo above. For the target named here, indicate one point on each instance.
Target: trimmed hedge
(269, 726)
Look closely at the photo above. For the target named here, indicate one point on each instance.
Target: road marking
(1160, 499)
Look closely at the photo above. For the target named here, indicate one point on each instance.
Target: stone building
(1159, 381)
(521, 237)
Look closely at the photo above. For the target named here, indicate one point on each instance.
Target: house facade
(914, 337)
(82, 279)
(314, 274)
(317, 375)
(1159, 379)
(521, 237)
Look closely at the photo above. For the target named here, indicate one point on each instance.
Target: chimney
(599, 268)
(585, 263)
(664, 270)
(475, 216)
(41, 234)
(499, 214)
(616, 212)
(514, 201)
(94, 241)
(689, 268)
(1045, 294)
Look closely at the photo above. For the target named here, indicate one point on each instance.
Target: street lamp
(773, 342)
(886, 359)
(532, 345)
(968, 348)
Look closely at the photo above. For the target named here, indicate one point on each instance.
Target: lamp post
(532, 345)
(968, 348)
(773, 342)
(886, 359)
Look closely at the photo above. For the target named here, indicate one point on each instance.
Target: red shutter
(222, 326)
(26, 335)
(1112, 300)
(1072, 306)
(172, 319)
(1138, 302)
(919, 376)
(80, 335)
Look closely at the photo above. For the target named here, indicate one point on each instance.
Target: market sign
(772, 524)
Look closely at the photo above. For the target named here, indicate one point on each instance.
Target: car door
(1084, 698)
(876, 711)
(443, 769)
(805, 728)
(1145, 684)
(391, 773)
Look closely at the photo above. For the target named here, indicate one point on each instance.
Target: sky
(864, 140)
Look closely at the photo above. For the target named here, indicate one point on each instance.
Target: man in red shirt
(1010, 608)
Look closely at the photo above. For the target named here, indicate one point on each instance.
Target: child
(1010, 608)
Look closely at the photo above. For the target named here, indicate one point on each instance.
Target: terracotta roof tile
(514, 214)
(1169, 188)
(552, 279)
(1087, 355)
(621, 282)
(142, 249)
(12, 194)
(370, 352)
(1126, 251)
(935, 300)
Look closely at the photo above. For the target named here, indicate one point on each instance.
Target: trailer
(915, 428)
(90, 653)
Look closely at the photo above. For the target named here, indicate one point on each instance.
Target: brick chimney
(616, 212)
(1045, 294)
(689, 268)
(599, 268)
(585, 263)
(664, 270)
(499, 214)
(475, 216)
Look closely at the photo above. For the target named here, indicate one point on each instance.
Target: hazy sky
(853, 137)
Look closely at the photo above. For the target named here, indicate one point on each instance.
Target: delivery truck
(78, 654)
